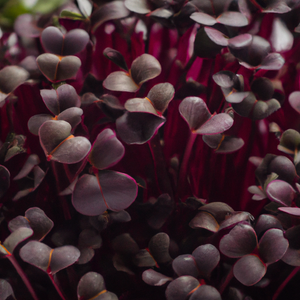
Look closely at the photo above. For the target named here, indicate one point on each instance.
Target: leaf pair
(59, 145)
(200, 120)
(143, 68)
(200, 263)
(93, 195)
(34, 218)
(240, 243)
(63, 102)
(49, 260)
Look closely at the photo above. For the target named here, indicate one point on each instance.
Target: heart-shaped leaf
(107, 150)
(138, 6)
(36, 219)
(294, 211)
(266, 222)
(112, 190)
(71, 43)
(249, 270)
(140, 105)
(58, 100)
(232, 18)
(47, 259)
(294, 100)
(58, 144)
(57, 68)
(120, 81)
(241, 240)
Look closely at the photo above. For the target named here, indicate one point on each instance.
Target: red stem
(23, 276)
(285, 282)
(56, 286)
(184, 168)
(226, 281)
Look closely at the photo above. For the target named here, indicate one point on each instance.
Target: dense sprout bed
(150, 149)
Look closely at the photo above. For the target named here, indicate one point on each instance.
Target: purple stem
(23, 276)
(285, 282)
(226, 281)
(56, 286)
(184, 168)
(161, 175)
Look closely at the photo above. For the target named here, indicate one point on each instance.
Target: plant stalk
(285, 282)
(23, 276)
(56, 286)
(184, 168)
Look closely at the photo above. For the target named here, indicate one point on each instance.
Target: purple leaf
(207, 258)
(194, 111)
(216, 36)
(241, 240)
(6, 290)
(238, 217)
(16, 237)
(62, 257)
(230, 144)
(281, 192)
(71, 43)
(138, 127)
(160, 96)
(294, 211)
(109, 11)
(125, 244)
(292, 257)
(37, 254)
(138, 6)
(115, 191)
(185, 265)
(36, 219)
(86, 255)
(90, 285)
(25, 25)
(273, 61)
(294, 100)
(11, 77)
(206, 221)
(237, 97)
(203, 18)
(154, 278)
(232, 18)
(249, 270)
(272, 246)
(56, 68)
(206, 292)
(107, 150)
(140, 105)
(62, 98)
(5, 180)
(58, 144)
(181, 287)
(89, 238)
(71, 115)
(35, 122)
(266, 222)
(116, 57)
(216, 124)
(31, 161)
(144, 259)
(120, 81)
(281, 38)
(159, 248)
(52, 40)
(144, 68)
(219, 210)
